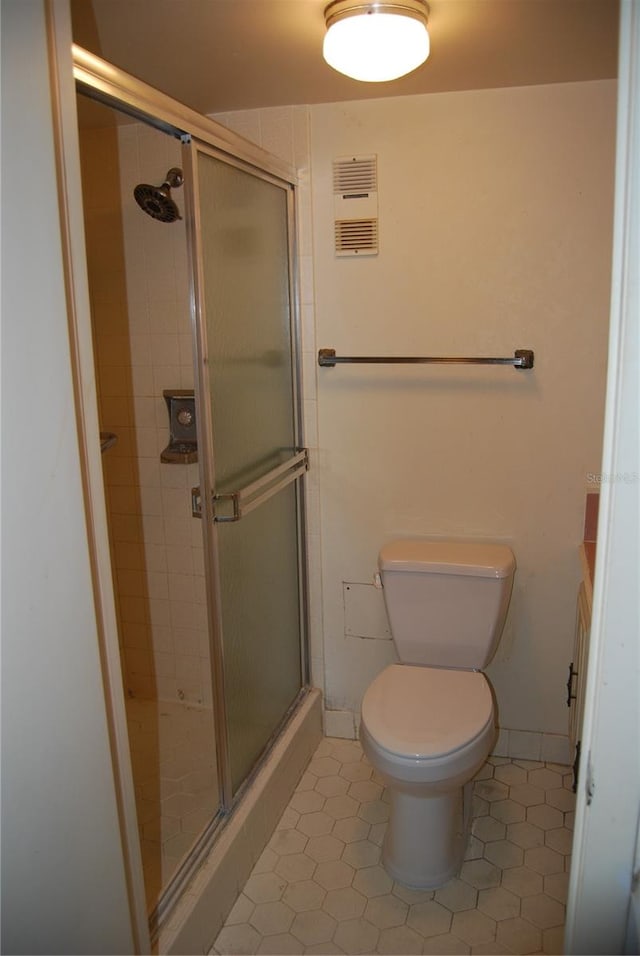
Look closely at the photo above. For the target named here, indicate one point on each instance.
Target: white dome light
(376, 42)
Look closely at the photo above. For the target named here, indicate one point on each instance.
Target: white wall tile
(176, 503)
(245, 123)
(153, 533)
(161, 639)
(165, 350)
(188, 641)
(276, 132)
(150, 501)
(146, 442)
(164, 664)
(556, 749)
(137, 314)
(501, 748)
(339, 723)
(140, 346)
(143, 412)
(165, 377)
(157, 585)
(159, 613)
(186, 376)
(173, 476)
(525, 745)
(197, 556)
(187, 668)
(179, 560)
(148, 470)
(306, 280)
(181, 587)
(164, 317)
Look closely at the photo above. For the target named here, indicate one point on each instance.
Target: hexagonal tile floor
(319, 886)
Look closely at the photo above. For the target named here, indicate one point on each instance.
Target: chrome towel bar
(522, 358)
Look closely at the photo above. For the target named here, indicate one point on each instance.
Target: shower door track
(212, 831)
(101, 81)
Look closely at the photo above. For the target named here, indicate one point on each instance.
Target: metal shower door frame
(102, 81)
(291, 470)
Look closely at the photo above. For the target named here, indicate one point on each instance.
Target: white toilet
(428, 723)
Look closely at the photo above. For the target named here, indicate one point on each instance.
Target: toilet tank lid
(447, 557)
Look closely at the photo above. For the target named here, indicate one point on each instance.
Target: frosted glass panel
(259, 584)
(246, 276)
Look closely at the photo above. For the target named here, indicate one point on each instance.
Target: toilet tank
(447, 600)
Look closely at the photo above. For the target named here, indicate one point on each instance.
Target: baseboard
(533, 745)
(516, 744)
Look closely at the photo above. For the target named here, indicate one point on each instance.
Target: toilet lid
(426, 712)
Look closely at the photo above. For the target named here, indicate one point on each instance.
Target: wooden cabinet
(577, 678)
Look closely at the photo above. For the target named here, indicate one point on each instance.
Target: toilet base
(426, 837)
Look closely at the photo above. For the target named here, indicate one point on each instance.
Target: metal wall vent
(355, 175)
(356, 237)
(355, 197)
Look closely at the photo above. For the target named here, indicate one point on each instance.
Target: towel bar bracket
(526, 357)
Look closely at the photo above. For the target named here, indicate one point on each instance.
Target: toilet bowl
(428, 723)
(427, 732)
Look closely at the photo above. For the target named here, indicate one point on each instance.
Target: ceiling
(220, 55)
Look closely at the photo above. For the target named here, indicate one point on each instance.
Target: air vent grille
(356, 236)
(355, 201)
(355, 175)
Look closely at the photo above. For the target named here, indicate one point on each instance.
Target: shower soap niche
(183, 444)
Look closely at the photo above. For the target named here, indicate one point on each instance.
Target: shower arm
(327, 358)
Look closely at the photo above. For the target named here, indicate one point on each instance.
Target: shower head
(156, 201)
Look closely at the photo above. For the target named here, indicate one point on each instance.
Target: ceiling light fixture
(376, 41)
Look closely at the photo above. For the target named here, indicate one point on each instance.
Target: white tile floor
(319, 886)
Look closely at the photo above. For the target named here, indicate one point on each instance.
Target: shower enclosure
(240, 242)
(208, 690)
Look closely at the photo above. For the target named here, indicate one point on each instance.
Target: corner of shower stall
(203, 820)
(200, 913)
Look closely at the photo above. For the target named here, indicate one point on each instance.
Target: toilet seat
(425, 713)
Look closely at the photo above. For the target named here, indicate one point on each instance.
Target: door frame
(100, 80)
(74, 264)
(603, 909)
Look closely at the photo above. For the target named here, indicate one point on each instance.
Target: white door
(603, 906)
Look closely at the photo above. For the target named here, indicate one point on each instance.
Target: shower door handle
(254, 494)
(196, 503)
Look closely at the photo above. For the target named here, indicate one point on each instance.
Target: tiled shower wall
(143, 345)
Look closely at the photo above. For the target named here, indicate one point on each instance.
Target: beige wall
(64, 888)
(495, 215)
(495, 234)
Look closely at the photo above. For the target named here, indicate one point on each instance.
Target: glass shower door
(251, 465)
